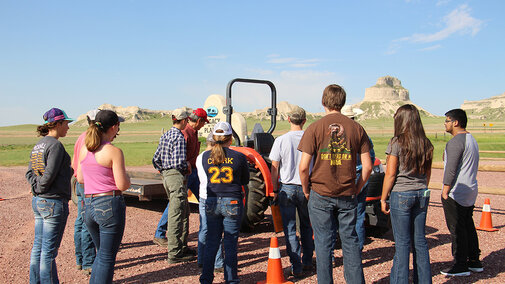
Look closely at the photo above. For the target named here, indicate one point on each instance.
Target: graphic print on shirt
(218, 178)
(223, 174)
(337, 149)
(37, 159)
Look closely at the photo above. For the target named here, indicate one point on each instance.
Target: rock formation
(283, 108)
(387, 89)
(490, 108)
(130, 114)
(384, 98)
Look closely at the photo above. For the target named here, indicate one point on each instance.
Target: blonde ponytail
(217, 153)
(93, 138)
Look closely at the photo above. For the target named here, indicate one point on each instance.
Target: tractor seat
(263, 143)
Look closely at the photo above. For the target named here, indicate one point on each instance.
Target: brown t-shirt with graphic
(334, 141)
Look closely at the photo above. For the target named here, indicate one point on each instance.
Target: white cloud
(293, 61)
(457, 22)
(442, 2)
(302, 65)
(429, 48)
(280, 60)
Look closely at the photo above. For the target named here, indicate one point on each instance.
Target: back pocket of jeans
(103, 211)
(405, 201)
(233, 210)
(45, 208)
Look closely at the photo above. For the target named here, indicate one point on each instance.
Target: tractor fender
(257, 160)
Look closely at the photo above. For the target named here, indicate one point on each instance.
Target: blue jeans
(84, 247)
(360, 218)
(50, 220)
(223, 215)
(194, 185)
(325, 212)
(202, 238)
(105, 219)
(292, 199)
(161, 229)
(408, 218)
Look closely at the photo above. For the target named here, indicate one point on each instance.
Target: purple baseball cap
(55, 114)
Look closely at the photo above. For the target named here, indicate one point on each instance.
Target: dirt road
(140, 261)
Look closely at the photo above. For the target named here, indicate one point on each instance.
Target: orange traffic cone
(274, 271)
(486, 224)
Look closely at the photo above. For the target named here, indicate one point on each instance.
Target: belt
(108, 193)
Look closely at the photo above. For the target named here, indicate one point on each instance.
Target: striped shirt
(171, 152)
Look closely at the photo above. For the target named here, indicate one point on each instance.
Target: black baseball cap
(108, 118)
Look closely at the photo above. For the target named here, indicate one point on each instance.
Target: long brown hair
(416, 148)
(43, 129)
(217, 153)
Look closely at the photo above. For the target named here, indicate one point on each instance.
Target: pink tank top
(97, 178)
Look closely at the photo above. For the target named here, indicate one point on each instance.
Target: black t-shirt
(227, 178)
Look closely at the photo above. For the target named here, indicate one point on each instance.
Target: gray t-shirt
(286, 153)
(461, 163)
(49, 171)
(406, 180)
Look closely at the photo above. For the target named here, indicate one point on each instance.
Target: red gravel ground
(140, 261)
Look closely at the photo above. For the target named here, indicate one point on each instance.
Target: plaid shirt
(171, 152)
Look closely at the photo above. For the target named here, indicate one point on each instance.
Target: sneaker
(184, 258)
(162, 242)
(475, 266)
(456, 270)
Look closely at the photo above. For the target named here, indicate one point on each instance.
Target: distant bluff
(490, 108)
(136, 114)
(384, 98)
(130, 113)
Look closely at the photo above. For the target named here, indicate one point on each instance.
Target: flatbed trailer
(148, 186)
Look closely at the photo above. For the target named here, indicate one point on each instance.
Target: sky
(161, 55)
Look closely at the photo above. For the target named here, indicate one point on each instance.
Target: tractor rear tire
(255, 202)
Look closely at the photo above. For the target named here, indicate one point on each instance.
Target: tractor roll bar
(272, 111)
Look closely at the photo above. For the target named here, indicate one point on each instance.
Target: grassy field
(139, 140)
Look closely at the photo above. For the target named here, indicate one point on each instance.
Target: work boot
(162, 242)
(184, 258)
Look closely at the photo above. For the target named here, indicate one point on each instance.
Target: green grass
(139, 140)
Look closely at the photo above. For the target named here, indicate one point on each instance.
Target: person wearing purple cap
(49, 175)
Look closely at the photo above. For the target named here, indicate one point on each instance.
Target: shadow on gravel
(378, 255)
(172, 272)
(140, 260)
(493, 265)
(136, 244)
